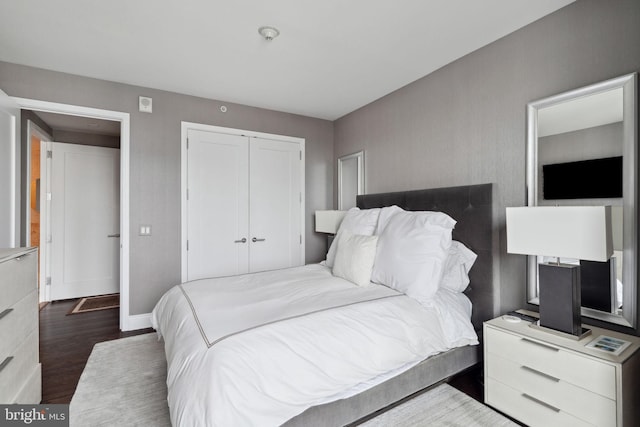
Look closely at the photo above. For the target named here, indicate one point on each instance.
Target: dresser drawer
(17, 323)
(18, 277)
(31, 392)
(16, 372)
(576, 369)
(527, 409)
(560, 394)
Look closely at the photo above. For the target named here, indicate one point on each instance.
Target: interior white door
(9, 130)
(217, 205)
(85, 221)
(276, 197)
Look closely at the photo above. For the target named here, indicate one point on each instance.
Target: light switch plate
(145, 230)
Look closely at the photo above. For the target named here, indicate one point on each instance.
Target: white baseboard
(137, 321)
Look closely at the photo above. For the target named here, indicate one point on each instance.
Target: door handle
(257, 240)
(113, 235)
(243, 240)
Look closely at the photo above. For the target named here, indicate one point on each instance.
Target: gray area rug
(124, 384)
(440, 406)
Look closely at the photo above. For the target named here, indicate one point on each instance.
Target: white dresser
(20, 370)
(542, 379)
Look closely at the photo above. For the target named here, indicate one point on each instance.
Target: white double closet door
(244, 204)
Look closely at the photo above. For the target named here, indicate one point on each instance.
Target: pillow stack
(409, 251)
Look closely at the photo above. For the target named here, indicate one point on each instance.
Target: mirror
(350, 179)
(581, 150)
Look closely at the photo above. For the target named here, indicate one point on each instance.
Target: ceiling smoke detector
(269, 33)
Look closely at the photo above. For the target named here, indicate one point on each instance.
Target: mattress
(261, 348)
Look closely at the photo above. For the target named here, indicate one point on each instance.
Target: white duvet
(259, 349)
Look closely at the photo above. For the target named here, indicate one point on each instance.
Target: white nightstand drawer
(22, 363)
(18, 277)
(528, 409)
(17, 322)
(560, 394)
(577, 369)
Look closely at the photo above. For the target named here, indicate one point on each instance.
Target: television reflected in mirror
(584, 179)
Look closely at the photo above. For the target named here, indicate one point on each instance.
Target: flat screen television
(586, 179)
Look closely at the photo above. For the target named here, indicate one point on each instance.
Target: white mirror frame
(628, 83)
(344, 174)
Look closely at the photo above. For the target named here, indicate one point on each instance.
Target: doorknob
(114, 235)
(257, 240)
(243, 240)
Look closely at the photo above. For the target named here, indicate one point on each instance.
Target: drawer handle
(540, 402)
(4, 313)
(5, 362)
(548, 347)
(542, 374)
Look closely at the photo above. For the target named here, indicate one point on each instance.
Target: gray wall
(30, 115)
(155, 162)
(585, 144)
(83, 138)
(465, 123)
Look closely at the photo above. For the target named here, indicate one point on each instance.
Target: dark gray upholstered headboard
(471, 206)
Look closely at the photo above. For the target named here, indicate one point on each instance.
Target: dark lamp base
(559, 292)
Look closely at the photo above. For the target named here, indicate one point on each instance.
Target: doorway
(73, 212)
(127, 322)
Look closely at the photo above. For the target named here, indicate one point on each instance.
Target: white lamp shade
(329, 221)
(578, 232)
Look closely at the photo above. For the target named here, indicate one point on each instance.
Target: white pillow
(456, 270)
(354, 257)
(431, 217)
(412, 252)
(385, 215)
(454, 311)
(356, 221)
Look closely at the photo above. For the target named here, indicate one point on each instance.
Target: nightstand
(542, 379)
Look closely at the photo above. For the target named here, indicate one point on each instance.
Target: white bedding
(259, 349)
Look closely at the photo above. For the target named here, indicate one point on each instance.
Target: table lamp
(329, 221)
(576, 232)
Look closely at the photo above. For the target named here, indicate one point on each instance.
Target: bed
(334, 352)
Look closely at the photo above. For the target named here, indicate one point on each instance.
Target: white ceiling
(332, 56)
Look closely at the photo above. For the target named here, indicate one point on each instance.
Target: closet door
(275, 200)
(218, 204)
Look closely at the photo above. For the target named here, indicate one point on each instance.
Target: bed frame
(472, 207)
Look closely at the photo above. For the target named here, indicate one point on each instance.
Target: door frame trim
(45, 139)
(126, 321)
(184, 131)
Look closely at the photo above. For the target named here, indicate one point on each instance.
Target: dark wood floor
(66, 342)
(470, 383)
